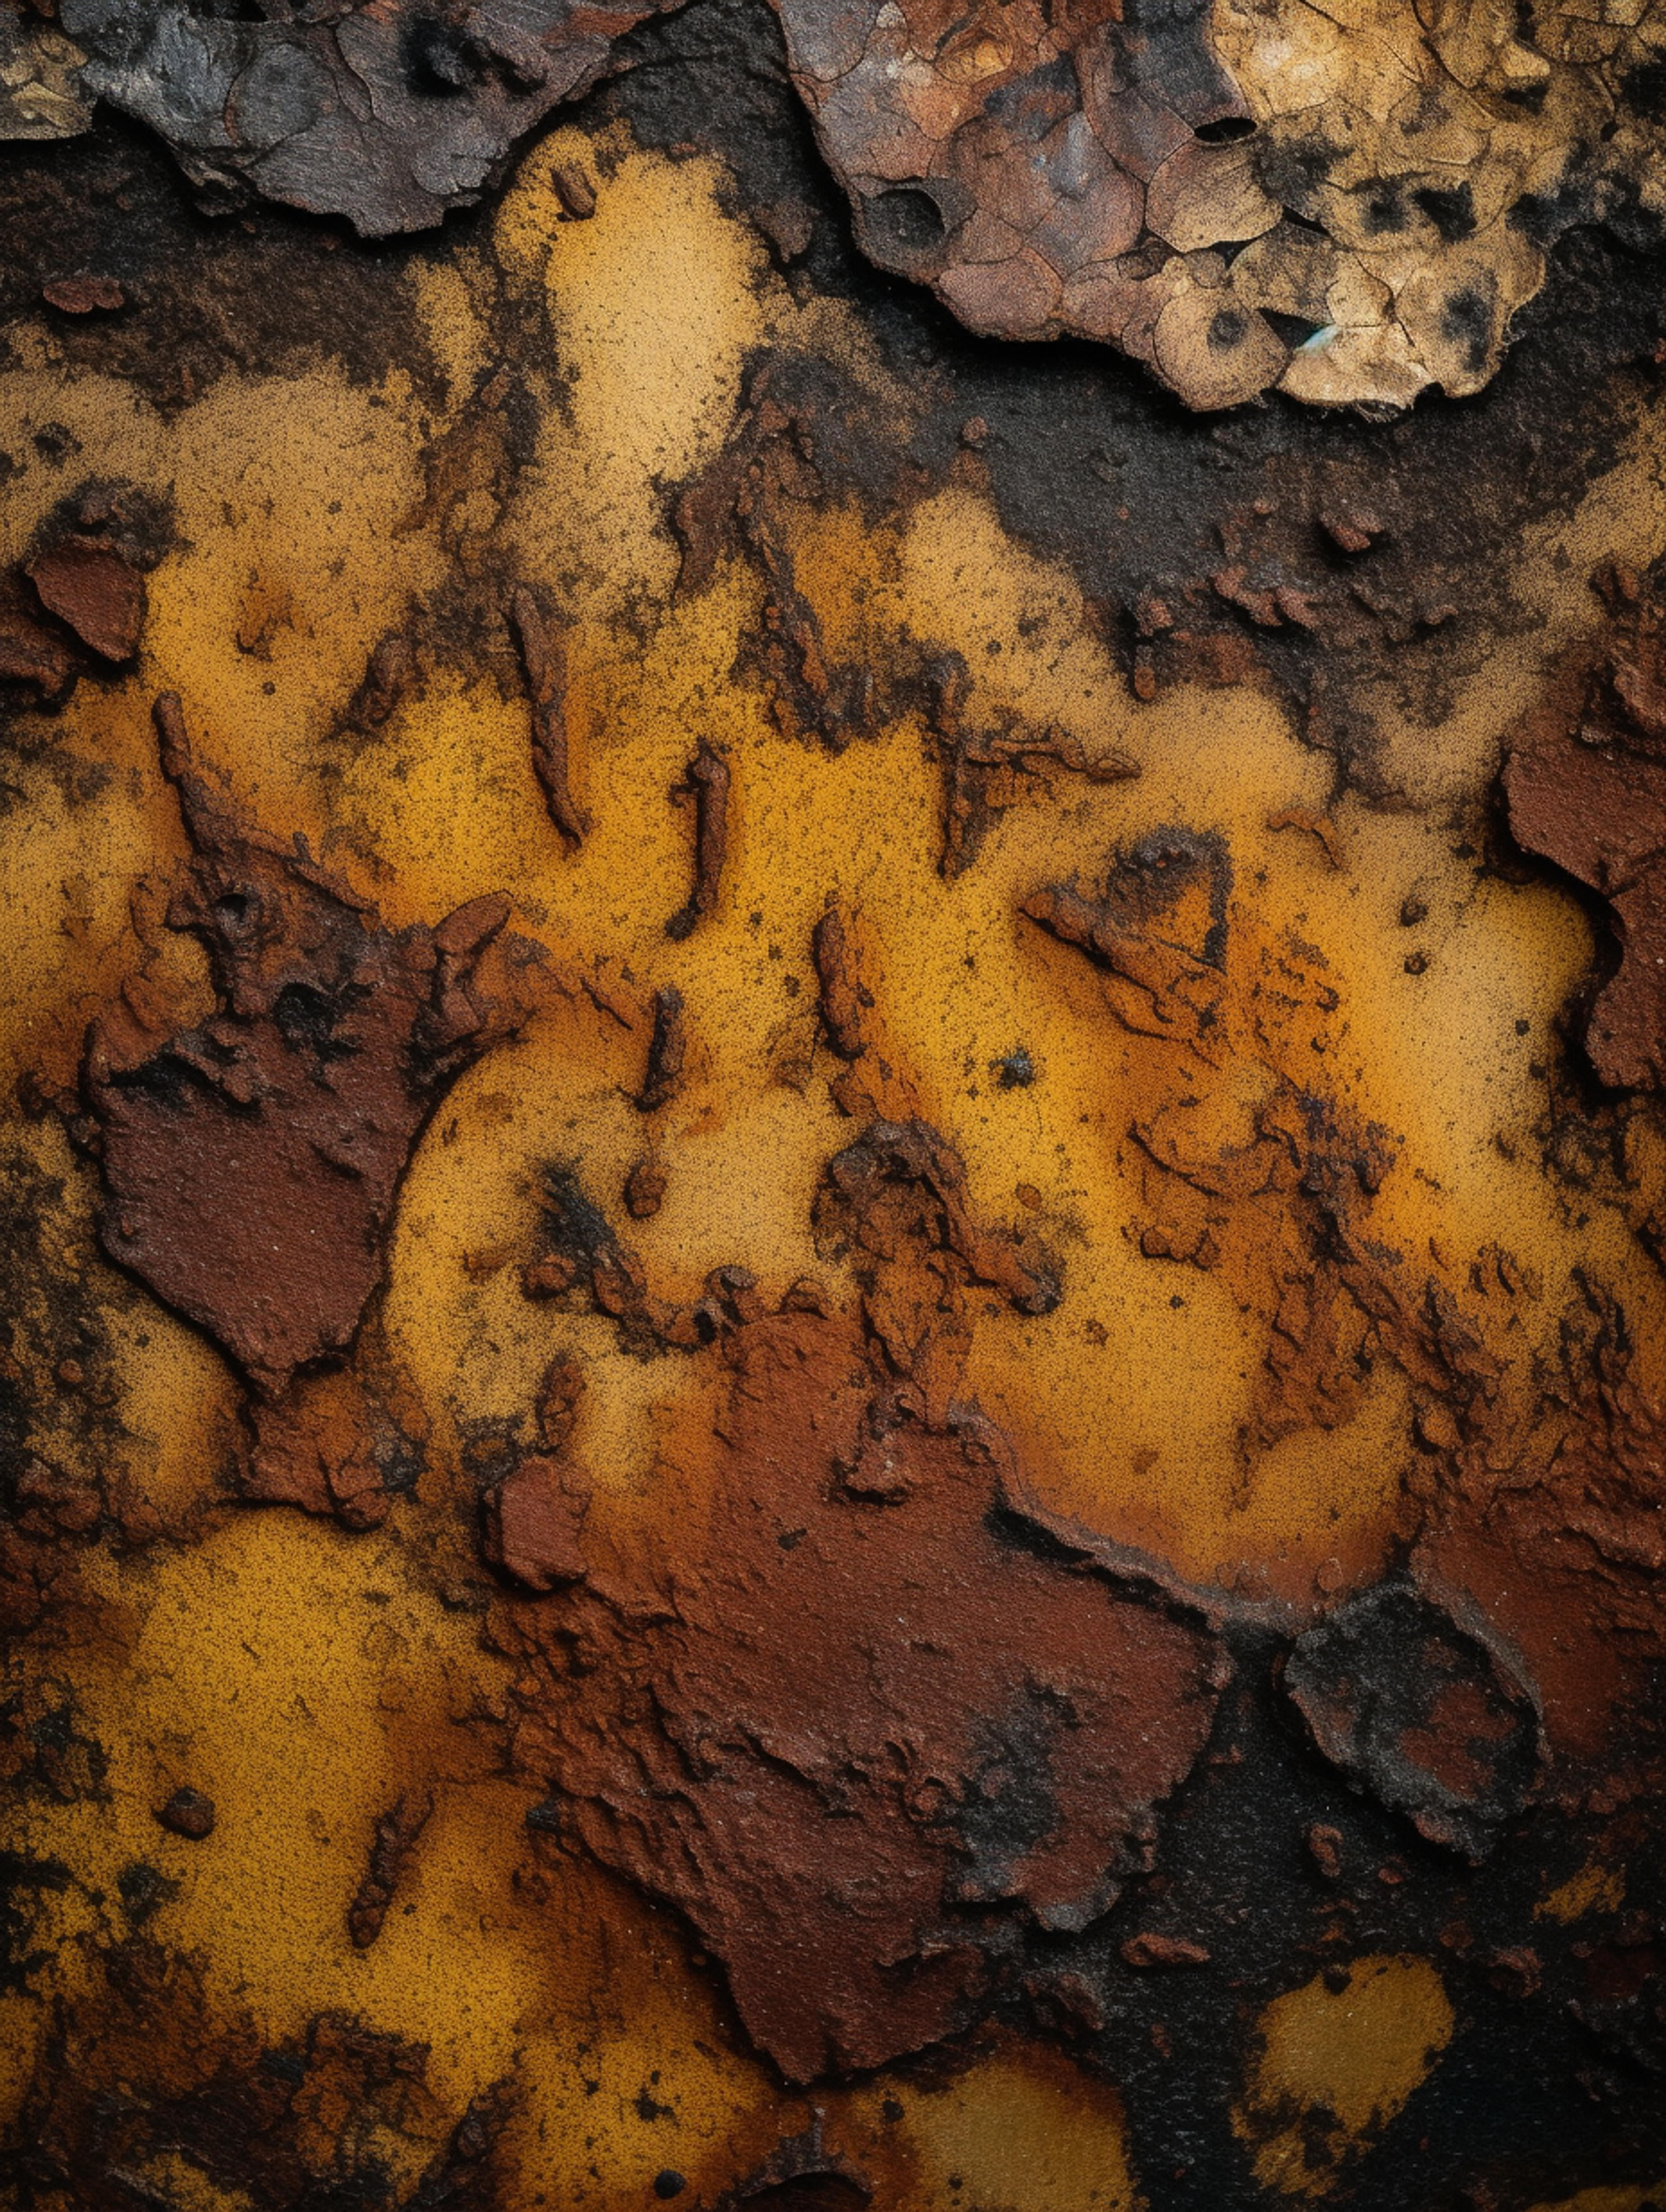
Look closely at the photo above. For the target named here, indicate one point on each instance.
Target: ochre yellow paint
(1332, 2066)
(1595, 1888)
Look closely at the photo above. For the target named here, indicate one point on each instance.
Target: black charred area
(1552, 2076)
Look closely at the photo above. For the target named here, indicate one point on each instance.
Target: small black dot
(668, 2182)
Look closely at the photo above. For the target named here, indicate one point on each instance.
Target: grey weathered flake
(388, 115)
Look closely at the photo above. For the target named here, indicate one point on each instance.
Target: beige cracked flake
(40, 95)
(1346, 200)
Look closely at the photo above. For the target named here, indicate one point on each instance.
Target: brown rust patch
(668, 1050)
(991, 765)
(1421, 1710)
(250, 1161)
(402, 112)
(97, 591)
(839, 1727)
(1239, 197)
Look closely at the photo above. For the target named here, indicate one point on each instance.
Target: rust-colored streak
(848, 1731)
(988, 766)
(668, 1045)
(708, 789)
(250, 1161)
(544, 661)
(396, 1835)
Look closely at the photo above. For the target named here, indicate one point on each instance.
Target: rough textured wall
(834, 1366)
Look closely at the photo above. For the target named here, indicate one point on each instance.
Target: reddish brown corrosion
(745, 501)
(250, 1163)
(1422, 1709)
(99, 593)
(846, 1000)
(389, 675)
(645, 1190)
(30, 656)
(835, 1720)
(83, 295)
(1586, 785)
(545, 664)
(339, 1442)
(188, 1813)
(1049, 147)
(532, 1522)
(708, 787)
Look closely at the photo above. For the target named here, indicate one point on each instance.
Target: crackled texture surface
(833, 1184)
(1348, 204)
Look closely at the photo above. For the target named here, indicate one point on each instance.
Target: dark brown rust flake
(667, 1049)
(97, 592)
(389, 116)
(848, 1734)
(846, 1000)
(543, 657)
(708, 789)
(396, 1836)
(250, 1161)
(188, 1813)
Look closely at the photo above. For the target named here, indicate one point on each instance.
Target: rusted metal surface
(833, 1160)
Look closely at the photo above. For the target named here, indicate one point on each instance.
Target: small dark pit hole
(1227, 130)
(906, 224)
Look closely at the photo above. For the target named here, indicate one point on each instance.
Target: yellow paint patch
(1012, 2136)
(1593, 1889)
(1331, 2067)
